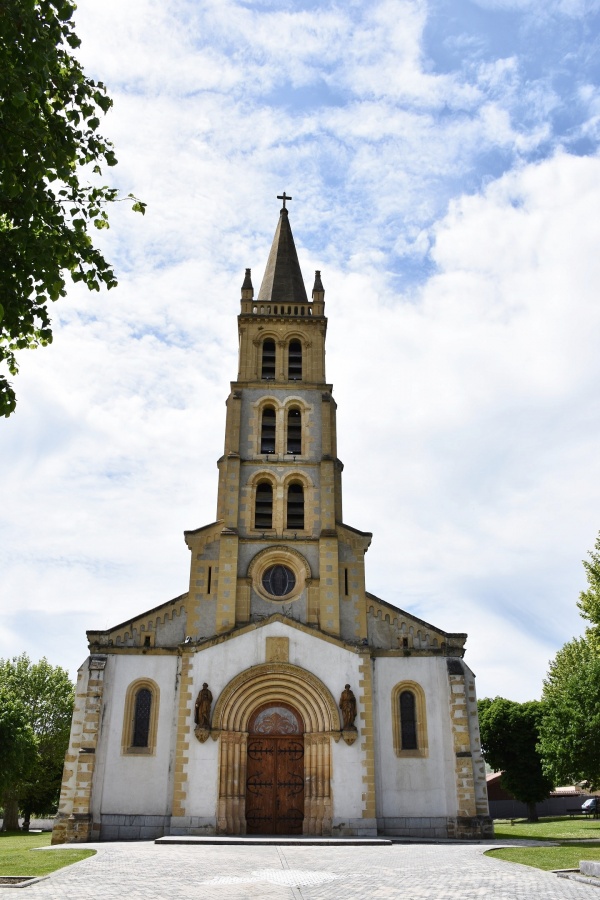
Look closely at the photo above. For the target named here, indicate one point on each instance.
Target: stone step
(273, 840)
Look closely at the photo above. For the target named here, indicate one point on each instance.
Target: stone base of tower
(74, 829)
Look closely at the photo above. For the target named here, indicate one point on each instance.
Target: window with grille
(141, 718)
(267, 433)
(268, 360)
(263, 514)
(295, 361)
(294, 431)
(295, 506)
(278, 581)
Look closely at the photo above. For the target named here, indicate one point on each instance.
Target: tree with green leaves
(36, 707)
(570, 730)
(589, 601)
(49, 146)
(569, 737)
(509, 738)
(17, 753)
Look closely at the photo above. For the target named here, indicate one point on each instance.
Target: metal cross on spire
(283, 197)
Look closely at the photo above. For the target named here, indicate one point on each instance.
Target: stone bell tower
(280, 544)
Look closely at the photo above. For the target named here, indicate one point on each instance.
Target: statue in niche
(202, 709)
(348, 708)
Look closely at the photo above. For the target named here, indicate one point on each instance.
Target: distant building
(276, 696)
(559, 802)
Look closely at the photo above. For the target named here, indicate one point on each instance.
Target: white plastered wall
(406, 786)
(135, 784)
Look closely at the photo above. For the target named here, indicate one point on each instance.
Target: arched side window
(268, 360)
(263, 510)
(267, 431)
(409, 720)
(295, 506)
(140, 718)
(295, 361)
(294, 431)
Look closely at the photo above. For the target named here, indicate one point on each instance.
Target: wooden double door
(275, 772)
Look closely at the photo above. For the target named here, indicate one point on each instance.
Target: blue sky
(443, 160)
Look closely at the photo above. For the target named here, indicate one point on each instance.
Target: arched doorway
(255, 689)
(275, 771)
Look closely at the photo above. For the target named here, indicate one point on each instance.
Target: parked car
(590, 805)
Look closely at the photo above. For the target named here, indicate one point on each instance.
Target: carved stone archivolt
(270, 683)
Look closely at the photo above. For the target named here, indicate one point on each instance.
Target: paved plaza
(147, 871)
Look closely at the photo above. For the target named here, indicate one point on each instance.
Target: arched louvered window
(268, 359)
(263, 513)
(294, 431)
(295, 506)
(267, 431)
(408, 721)
(141, 718)
(295, 361)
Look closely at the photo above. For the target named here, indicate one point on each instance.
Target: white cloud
(480, 395)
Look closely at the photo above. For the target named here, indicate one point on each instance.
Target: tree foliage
(49, 140)
(41, 698)
(17, 741)
(569, 736)
(509, 738)
(589, 601)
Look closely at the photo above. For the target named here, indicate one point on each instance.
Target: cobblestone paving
(146, 871)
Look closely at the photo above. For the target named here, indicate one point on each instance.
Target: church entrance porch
(275, 772)
(275, 723)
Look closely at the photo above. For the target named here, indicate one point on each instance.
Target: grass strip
(551, 828)
(16, 857)
(565, 856)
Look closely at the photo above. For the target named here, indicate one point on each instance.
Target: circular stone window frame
(282, 556)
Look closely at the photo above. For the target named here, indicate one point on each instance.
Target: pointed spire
(283, 280)
(247, 288)
(318, 285)
(318, 295)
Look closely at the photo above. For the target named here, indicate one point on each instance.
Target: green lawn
(16, 857)
(559, 828)
(566, 856)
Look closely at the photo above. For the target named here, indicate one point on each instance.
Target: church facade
(276, 696)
